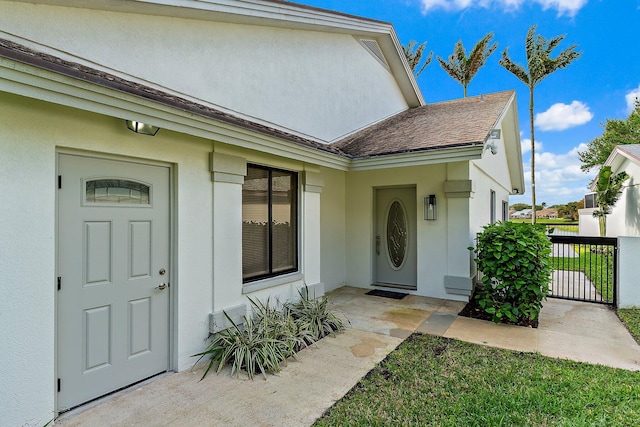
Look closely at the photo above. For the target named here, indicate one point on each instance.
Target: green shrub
(269, 337)
(515, 261)
(314, 315)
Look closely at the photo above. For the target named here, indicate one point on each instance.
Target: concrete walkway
(306, 388)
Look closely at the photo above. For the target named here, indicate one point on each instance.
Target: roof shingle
(456, 123)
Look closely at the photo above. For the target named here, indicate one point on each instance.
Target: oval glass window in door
(397, 234)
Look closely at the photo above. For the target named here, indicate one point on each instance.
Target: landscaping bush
(515, 261)
(314, 315)
(269, 337)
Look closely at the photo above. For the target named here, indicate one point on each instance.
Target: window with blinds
(269, 223)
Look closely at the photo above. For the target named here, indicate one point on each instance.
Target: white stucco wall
(31, 132)
(587, 225)
(333, 229)
(629, 272)
(323, 84)
(432, 237)
(625, 215)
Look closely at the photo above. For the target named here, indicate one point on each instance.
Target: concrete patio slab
(296, 396)
(304, 389)
(494, 335)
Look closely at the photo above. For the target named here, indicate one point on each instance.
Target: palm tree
(462, 67)
(414, 57)
(539, 65)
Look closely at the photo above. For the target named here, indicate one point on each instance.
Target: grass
(438, 381)
(598, 267)
(546, 221)
(631, 319)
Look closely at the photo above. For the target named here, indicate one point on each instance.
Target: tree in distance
(540, 64)
(414, 56)
(463, 68)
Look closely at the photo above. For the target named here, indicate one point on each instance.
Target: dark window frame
(295, 212)
(493, 207)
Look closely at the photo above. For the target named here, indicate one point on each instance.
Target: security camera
(493, 147)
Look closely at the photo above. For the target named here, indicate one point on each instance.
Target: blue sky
(571, 104)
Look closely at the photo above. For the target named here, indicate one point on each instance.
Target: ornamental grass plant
(264, 341)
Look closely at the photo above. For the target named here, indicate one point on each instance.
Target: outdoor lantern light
(494, 134)
(430, 212)
(142, 128)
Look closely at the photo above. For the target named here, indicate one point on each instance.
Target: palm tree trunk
(533, 159)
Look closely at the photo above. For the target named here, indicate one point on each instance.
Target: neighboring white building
(624, 219)
(524, 213)
(291, 139)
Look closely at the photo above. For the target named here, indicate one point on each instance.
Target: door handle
(377, 245)
(161, 286)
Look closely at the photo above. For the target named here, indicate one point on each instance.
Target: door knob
(161, 286)
(378, 245)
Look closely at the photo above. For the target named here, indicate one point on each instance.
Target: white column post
(459, 278)
(312, 187)
(227, 174)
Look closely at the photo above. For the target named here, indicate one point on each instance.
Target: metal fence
(585, 268)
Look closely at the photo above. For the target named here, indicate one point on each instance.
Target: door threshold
(76, 410)
(395, 286)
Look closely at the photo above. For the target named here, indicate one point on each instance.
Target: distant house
(549, 213)
(164, 161)
(624, 219)
(525, 213)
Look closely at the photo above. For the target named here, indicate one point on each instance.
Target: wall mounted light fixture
(142, 128)
(493, 135)
(430, 211)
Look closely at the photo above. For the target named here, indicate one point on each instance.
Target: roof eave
(448, 154)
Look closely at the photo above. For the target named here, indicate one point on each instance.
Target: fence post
(628, 293)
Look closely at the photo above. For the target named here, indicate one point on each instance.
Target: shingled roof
(458, 123)
(462, 122)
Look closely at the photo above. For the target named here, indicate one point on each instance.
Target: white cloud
(559, 178)
(562, 116)
(525, 145)
(564, 7)
(631, 97)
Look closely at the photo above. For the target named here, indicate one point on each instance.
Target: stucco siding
(324, 85)
(432, 239)
(625, 215)
(333, 256)
(27, 247)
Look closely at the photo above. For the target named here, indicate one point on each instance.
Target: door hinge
(59, 182)
(59, 282)
(59, 385)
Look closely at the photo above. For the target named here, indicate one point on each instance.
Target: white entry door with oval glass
(395, 238)
(113, 267)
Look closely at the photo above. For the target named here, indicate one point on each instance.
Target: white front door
(395, 239)
(113, 266)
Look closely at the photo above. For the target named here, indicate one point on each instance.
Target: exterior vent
(590, 201)
(374, 49)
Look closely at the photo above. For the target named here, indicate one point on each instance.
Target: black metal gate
(585, 268)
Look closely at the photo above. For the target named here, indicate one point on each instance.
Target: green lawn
(631, 318)
(598, 267)
(437, 381)
(546, 221)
